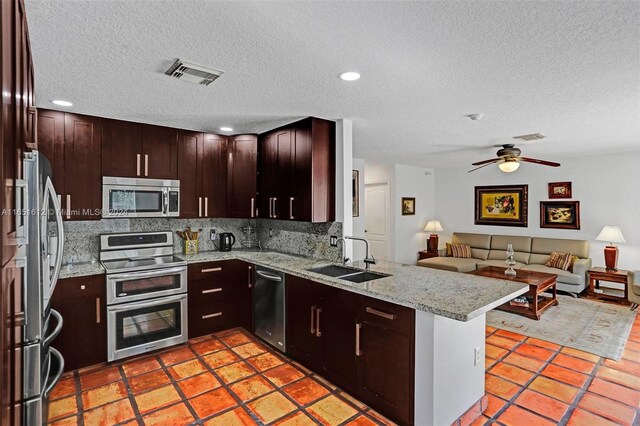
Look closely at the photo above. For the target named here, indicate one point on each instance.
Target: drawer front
(207, 291)
(89, 286)
(207, 319)
(386, 315)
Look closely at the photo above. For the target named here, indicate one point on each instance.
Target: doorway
(377, 223)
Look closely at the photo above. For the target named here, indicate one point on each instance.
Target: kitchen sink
(348, 274)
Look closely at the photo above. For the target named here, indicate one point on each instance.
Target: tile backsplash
(82, 238)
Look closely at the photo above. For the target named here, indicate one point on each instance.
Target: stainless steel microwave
(135, 197)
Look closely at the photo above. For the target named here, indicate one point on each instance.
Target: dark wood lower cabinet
(220, 296)
(82, 303)
(363, 345)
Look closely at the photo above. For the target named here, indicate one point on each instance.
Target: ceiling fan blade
(536, 161)
(484, 165)
(493, 160)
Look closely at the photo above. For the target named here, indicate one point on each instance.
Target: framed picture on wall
(408, 206)
(560, 214)
(501, 205)
(559, 189)
(355, 193)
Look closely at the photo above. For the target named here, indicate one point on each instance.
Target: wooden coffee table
(539, 282)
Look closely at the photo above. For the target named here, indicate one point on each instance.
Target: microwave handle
(165, 204)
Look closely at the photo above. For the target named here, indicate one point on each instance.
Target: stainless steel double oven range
(146, 293)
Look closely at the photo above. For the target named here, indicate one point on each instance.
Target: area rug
(595, 327)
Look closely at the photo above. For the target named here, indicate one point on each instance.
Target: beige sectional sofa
(531, 253)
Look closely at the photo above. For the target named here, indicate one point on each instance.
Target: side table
(602, 292)
(425, 254)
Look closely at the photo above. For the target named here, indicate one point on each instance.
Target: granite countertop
(71, 270)
(449, 294)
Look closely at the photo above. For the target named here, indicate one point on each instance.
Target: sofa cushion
(521, 247)
(563, 276)
(560, 261)
(480, 243)
(500, 263)
(461, 250)
(455, 264)
(548, 245)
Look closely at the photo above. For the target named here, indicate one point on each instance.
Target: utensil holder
(190, 246)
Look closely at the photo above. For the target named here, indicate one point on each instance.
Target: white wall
(359, 251)
(344, 157)
(607, 186)
(408, 231)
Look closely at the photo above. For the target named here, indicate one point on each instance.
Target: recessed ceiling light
(61, 102)
(350, 76)
(226, 129)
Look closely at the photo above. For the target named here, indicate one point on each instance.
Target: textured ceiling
(567, 69)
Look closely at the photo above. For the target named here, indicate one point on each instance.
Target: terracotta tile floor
(232, 379)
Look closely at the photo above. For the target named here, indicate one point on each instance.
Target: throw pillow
(559, 261)
(461, 250)
(449, 252)
(574, 259)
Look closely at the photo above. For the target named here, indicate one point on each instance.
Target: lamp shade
(611, 234)
(509, 166)
(433, 226)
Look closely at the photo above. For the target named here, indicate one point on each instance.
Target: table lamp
(611, 234)
(433, 226)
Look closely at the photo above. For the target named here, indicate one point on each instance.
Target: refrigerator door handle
(22, 211)
(56, 377)
(51, 193)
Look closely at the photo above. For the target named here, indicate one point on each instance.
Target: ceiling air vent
(531, 137)
(192, 73)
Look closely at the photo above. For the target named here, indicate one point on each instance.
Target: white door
(376, 206)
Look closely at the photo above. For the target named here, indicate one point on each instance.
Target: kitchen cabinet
(82, 303)
(139, 150)
(320, 330)
(51, 137)
(220, 296)
(363, 345)
(297, 171)
(202, 171)
(242, 151)
(82, 197)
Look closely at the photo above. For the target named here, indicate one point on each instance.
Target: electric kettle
(226, 241)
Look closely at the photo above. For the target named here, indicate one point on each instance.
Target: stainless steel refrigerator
(42, 251)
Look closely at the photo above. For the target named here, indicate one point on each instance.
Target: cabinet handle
(68, 206)
(253, 206)
(199, 206)
(384, 315)
(82, 287)
(34, 124)
(97, 310)
(211, 270)
(275, 212)
(318, 312)
(206, 206)
(313, 329)
(217, 314)
(212, 290)
(358, 328)
(146, 164)
(249, 269)
(291, 208)
(138, 164)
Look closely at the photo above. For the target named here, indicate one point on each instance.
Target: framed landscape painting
(560, 214)
(501, 205)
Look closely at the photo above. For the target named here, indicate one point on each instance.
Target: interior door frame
(389, 211)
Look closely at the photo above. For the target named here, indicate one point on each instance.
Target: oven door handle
(147, 304)
(137, 275)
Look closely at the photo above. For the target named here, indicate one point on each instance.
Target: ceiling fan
(509, 160)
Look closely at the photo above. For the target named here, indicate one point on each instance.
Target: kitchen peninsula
(440, 315)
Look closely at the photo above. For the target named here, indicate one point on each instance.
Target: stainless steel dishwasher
(269, 307)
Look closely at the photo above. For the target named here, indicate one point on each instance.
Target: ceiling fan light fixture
(509, 166)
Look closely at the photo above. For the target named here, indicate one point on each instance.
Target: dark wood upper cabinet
(190, 173)
(83, 167)
(51, 143)
(121, 148)
(297, 172)
(160, 152)
(214, 175)
(241, 176)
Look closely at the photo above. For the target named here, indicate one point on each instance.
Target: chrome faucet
(369, 259)
(345, 259)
